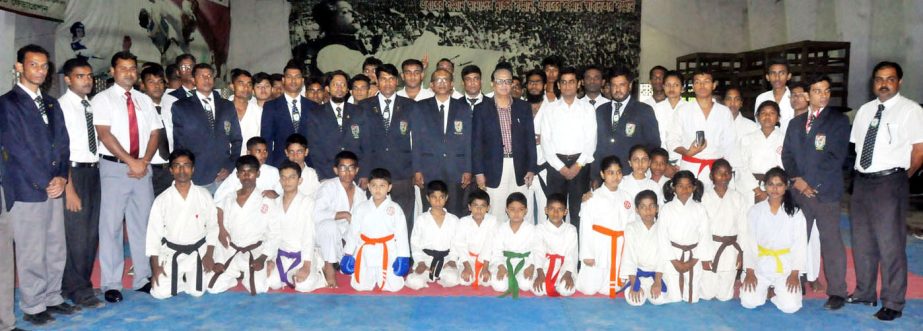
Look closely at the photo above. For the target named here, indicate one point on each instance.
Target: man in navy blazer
(207, 125)
(286, 115)
(442, 142)
(495, 158)
(390, 121)
(184, 65)
(617, 132)
(334, 127)
(816, 145)
(36, 158)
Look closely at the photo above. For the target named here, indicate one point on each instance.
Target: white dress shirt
(288, 105)
(250, 124)
(77, 131)
(424, 93)
(445, 114)
(567, 130)
(166, 117)
(111, 109)
(663, 111)
(600, 100)
(901, 127)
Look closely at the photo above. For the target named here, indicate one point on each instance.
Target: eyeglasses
(503, 81)
(442, 80)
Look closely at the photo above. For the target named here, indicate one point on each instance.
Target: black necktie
(40, 103)
(868, 145)
(387, 114)
(210, 113)
(442, 117)
(616, 114)
(91, 131)
(296, 115)
(163, 145)
(471, 101)
(593, 103)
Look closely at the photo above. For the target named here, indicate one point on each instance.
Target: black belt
(881, 173)
(507, 155)
(184, 249)
(84, 164)
(568, 158)
(161, 166)
(435, 267)
(111, 158)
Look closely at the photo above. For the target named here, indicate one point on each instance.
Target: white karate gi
(524, 240)
(641, 247)
(182, 222)
(376, 222)
(473, 244)
(683, 224)
(663, 111)
(633, 186)
(720, 136)
(297, 236)
(309, 182)
(758, 154)
(726, 217)
(562, 241)
(774, 232)
(268, 180)
(612, 211)
(427, 234)
(329, 232)
(786, 112)
(256, 221)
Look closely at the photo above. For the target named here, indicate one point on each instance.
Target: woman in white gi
(760, 151)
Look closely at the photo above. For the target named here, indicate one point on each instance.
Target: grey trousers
(832, 249)
(129, 199)
(7, 318)
(38, 233)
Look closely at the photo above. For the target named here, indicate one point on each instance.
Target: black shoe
(38, 319)
(113, 296)
(64, 309)
(92, 302)
(146, 288)
(853, 300)
(888, 314)
(834, 302)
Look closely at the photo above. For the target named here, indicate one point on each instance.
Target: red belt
(702, 163)
(384, 255)
(552, 277)
(613, 268)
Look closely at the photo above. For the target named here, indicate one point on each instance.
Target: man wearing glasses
(184, 64)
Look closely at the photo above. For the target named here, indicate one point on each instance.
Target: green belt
(512, 272)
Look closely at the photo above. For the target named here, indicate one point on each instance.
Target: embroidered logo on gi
(264, 208)
(355, 130)
(820, 140)
(391, 211)
(629, 129)
(458, 127)
(404, 128)
(627, 204)
(227, 127)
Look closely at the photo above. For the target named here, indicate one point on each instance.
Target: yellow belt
(775, 253)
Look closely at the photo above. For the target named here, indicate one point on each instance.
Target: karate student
(664, 110)
(513, 248)
(182, 233)
(684, 238)
(298, 264)
(431, 241)
(557, 251)
(249, 233)
(296, 150)
(775, 249)
(605, 216)
(268, 182)
(336, 201)
(377, 241)
(727, 211)
(641, 259)
(640, 161)
(660, 165)
(760, 151)
(473, 241)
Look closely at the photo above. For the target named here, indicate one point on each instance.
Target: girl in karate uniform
(641, 260)
(684, 239)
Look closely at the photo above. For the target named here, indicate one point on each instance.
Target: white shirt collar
(203, 96)
(32, 95)
(888, 104)
(381, 100)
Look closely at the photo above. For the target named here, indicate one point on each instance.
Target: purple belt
(283, 271)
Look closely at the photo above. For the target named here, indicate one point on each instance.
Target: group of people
(557, 181)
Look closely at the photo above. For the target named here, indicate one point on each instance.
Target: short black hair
(470, 69)
(185, 56)
(261, 76)
(661, 152)
(247, 160)
(77, 62)
(609, 161)
(275, 78)
(557, 197)
(256, 140)
(328, 78)
(177, 153)
(646, 194)
(345, 155)
(380, 173)
(675, 74)
(703, 71)
(553, 60)
(567, 71)
(237, 72)
(776, 61)
(172, 71)
(501, 66)
(436, 186)
(889, 64)
(817, 78)
(636, 148)
(446, 60)
(290, 165)
(202, 66)
(655, 68)
(799, 84)
(296, 138)
(619, 71)
(123, 55)
(478, 194)
(292, 64)
(517, 197)
(409, 62)
(386, 68)
(152, 70)
(768, 103)
(310, 80)
(359, 78)
(592, 67)
(371, 60)
(537, 72)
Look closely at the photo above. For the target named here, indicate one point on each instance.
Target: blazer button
(54, 163)
(444, 155)
(35, 186)
(387, 149)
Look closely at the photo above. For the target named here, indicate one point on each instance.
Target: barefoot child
(727, 214)
(641, 258)
(431, 240)
(513, 250)
(473, 241)
(684, 238)
(557, 251)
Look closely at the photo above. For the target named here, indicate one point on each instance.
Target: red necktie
(132, 127)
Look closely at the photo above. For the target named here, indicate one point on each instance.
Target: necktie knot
(38, 99)
(593, 102)
(441, 108)
(86, 104)
(387, 101)
(128, 94)
(881, 108)
(472, 100)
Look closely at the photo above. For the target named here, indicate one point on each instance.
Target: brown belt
(682, 278)
(725, 242)
(238, 249)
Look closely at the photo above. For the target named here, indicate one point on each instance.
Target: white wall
(7, 38)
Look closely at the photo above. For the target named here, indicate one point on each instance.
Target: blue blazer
(276, 125)
(326, 137)
(443, 156)
(818, 156)
(214, 149)
(487, 144)
(637, 126)
(179, 93)
(389, 149)
(33, 152)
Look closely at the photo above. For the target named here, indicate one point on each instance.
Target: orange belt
(384, 256)
(613, 269)
(551, 278)
(478, 265)
(702, 163)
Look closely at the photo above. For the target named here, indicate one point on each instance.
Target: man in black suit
(206, 124)
(334, 127)
(815, 147)
(35, 154)
(622, 123)
(285, 115)
(184, 65)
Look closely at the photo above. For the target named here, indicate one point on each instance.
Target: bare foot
(330, 275)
